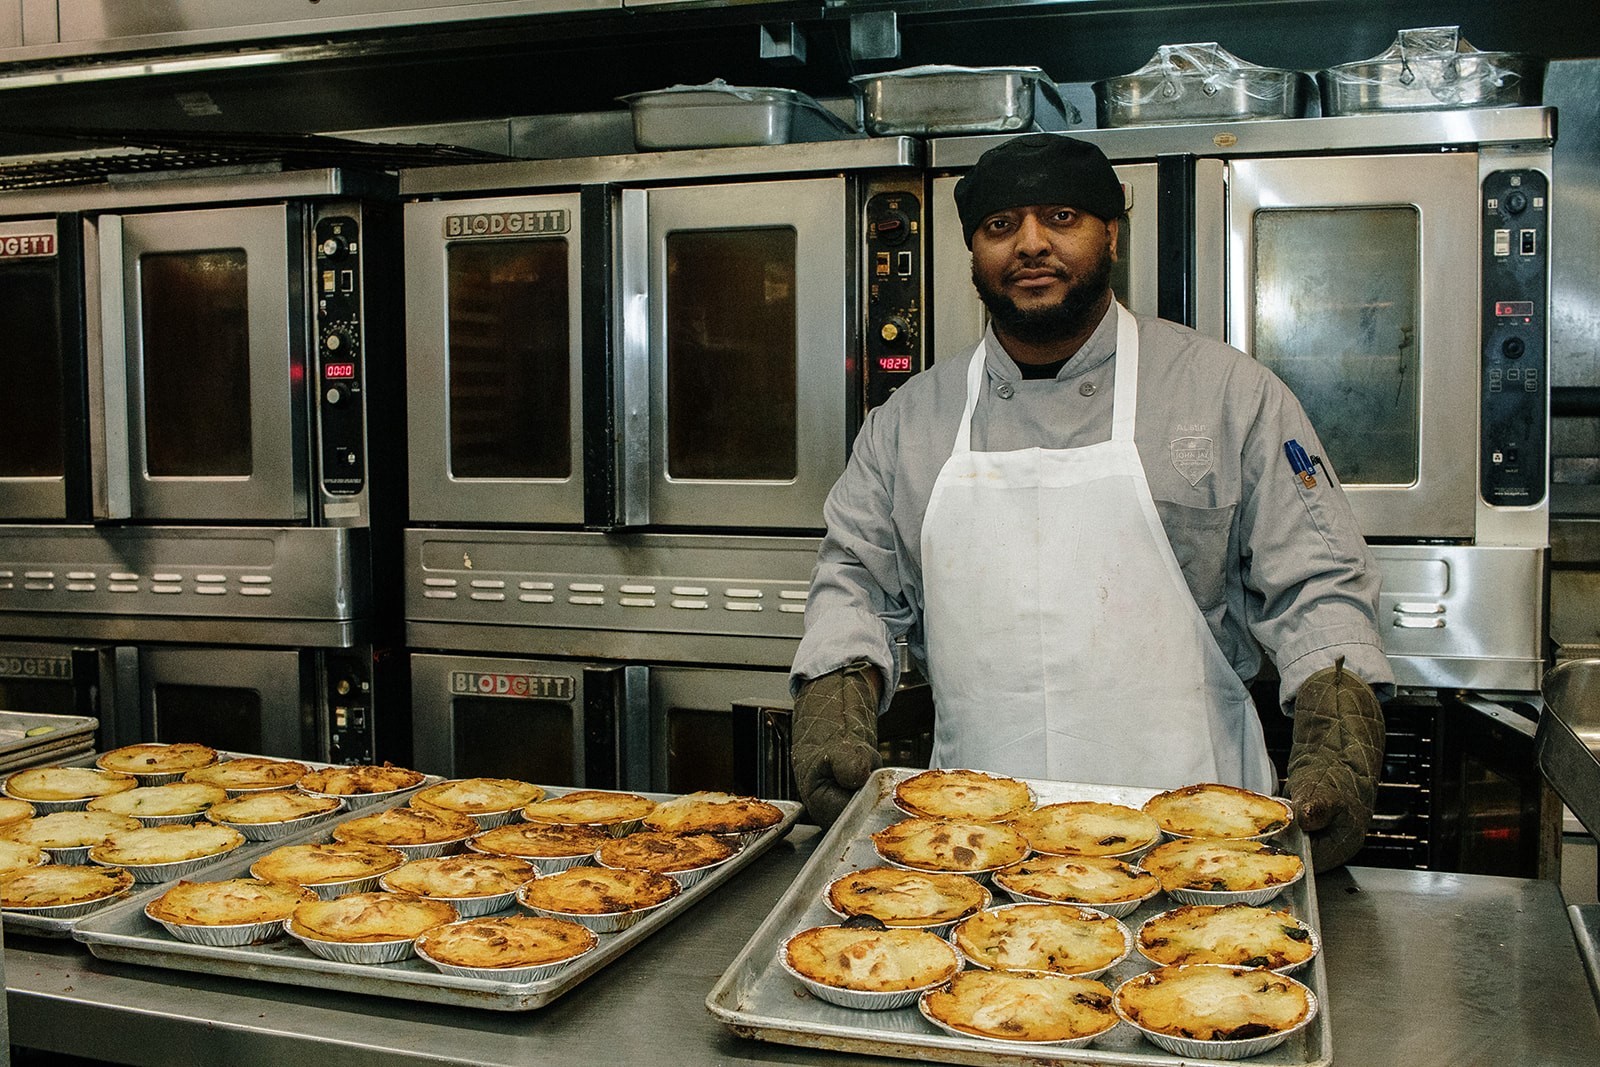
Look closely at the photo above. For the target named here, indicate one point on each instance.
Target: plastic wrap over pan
(1201, 82)
(944, 99)
(1431, 69)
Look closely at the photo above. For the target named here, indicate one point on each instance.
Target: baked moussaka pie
(16, 857)
(972, 796)
(1235, 934)
(591, 807)
(326, 864)
(482, 798)
(360, 780)
(65, 784)
(1206, 1002)
(277, 805)
(1021, 1006)
(407, 826)
(548, 847)
(871, 962)
(232, 902)
(1058, 938)
(248, 773)
(505, 943)
(897, 897)
(156, 758)
(1098, 881)
(173, 843)
(1221, 866)
(13, 810)
(1218, 811)
(460, 877)
(368, 917)
(161, 801)
(713, 813)
(672, 854)
(1087, 828)
(68, 829)
(65, 886)
(605, 899)
(954, 847)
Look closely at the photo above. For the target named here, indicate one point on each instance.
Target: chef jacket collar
(1096, 351)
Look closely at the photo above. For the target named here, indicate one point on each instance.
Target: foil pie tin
(359, 952)
(612, 922)
(1242, 1048)
(226, 935)
(1091, 913)
(865, 999)
(530, 973)
(271, 831)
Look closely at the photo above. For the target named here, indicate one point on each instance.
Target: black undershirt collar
(1037, 371)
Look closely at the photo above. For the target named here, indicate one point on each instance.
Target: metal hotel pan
(17, 922)
(756, 999)
(69, 736)
(122, 932)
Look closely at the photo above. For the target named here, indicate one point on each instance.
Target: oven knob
(332, 248)
(1516, 202)
(895, 330)
(1513, 347)
(892, 229)
(334, 395)
(336, 340)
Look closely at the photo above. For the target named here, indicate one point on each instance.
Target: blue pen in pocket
(1300, 463)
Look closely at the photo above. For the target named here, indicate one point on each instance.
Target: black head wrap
(1040, 168)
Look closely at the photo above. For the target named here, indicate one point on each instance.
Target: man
(1089, 530)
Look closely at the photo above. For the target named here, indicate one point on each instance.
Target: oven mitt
(1334, 762)
(835, 742)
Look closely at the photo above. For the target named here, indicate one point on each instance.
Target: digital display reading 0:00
(339, 371)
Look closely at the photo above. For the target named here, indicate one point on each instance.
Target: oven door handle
(1499, 713)
(106, 330)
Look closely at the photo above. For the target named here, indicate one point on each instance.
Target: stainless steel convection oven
(633, 380)
(191, 518)
(1394, 271)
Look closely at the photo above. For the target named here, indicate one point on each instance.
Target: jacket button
(1086, 389)
(1004, 390)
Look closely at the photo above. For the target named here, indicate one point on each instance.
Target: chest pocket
(1200, 540)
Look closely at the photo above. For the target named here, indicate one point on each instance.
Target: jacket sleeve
(1311, 584)
(857, 607)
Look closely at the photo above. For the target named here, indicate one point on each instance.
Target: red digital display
(888, 363)
(338, 371)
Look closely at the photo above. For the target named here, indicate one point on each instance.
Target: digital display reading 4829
(894, 363)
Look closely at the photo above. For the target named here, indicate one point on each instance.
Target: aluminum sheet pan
(70, 735)
(20, 923)
(122, 932)
(756, 999)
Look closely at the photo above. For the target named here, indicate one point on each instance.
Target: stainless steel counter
(1423, 969)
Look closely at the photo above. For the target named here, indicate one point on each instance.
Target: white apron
(1063, 642)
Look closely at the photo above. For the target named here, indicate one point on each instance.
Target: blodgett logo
(24, 245)
(35, 667)
(513, 686)
(507, 224)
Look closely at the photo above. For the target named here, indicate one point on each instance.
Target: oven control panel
(893, 239)
(337, 276)
(1516, 211)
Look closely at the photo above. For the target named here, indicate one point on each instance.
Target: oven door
(693, 724)
(44, 464)
(198, 405)
(959, 317)
(735, 393)
(53, 678)
(259, 701)
(555, 722)
(1354, 280)
(494, 360)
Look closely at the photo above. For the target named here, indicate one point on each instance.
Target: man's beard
(1074, 315)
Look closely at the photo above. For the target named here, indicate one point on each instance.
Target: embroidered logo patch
(1192, 457)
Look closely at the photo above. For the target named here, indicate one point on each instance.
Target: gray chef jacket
(1274, 566)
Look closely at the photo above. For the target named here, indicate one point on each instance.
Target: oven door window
(731, 354)
(532, 742)
(196, 340)
(699, 750)
(31, 364)
(224, 718)
(509, 359)
(1337, 318)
